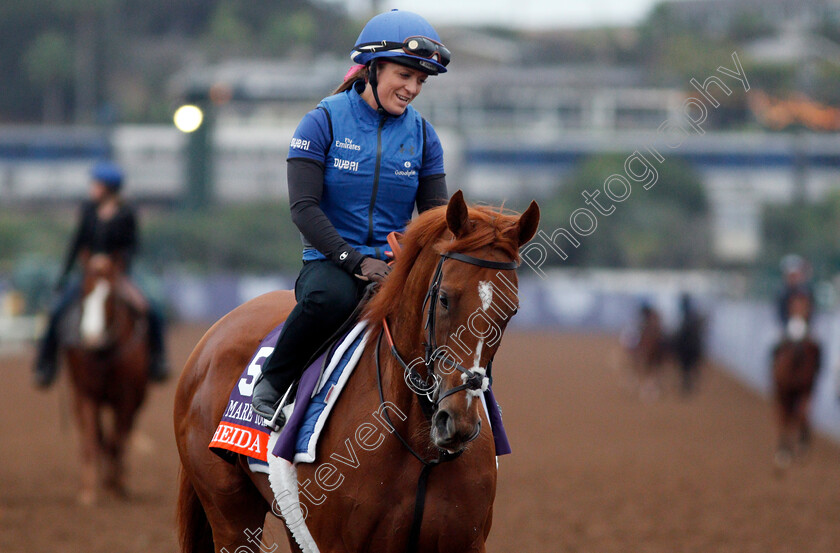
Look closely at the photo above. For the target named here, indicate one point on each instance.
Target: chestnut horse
(107, 358)
(796, 364)
(449, 267)
(648, 352)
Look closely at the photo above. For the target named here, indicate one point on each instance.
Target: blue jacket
(372, 165)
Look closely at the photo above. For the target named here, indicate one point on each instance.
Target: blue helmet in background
(108, 173)
(402, 37)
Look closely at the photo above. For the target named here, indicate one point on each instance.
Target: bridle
(428, 388)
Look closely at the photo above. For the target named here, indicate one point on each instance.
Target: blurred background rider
(107, 224)
(796, 272)
(797, 294)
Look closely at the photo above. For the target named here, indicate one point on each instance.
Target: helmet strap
(374, 85)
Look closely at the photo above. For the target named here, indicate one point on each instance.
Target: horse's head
(451, 294)
(98, 285)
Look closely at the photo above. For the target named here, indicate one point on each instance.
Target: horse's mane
(489, 226)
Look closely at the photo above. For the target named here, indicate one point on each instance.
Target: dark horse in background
(106, 347)
(436, 284)
(795, 366)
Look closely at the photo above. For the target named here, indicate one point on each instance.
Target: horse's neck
(407, 321)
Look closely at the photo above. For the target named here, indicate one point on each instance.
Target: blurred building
(721, 16)
(510, 131)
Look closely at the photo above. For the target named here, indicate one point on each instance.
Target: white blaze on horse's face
(485, 293)
(797, 328)
(93, 314)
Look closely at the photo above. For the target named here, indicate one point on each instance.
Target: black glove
(373, 269)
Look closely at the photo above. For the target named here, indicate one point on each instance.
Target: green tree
(665, 226)
(109, 40)
(290, 33)
(227, 33)
(49, 66)
(809, 229)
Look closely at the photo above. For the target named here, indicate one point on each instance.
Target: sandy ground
(594, 468)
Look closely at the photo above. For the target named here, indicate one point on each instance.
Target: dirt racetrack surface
(594, 468)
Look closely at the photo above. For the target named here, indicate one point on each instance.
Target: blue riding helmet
(793, 263)
(402, 37)
(108, 173)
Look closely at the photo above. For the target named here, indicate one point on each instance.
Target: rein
(428, 389)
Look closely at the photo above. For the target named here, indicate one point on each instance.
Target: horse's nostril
(443, 423)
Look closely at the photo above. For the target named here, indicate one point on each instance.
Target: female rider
(357, 166)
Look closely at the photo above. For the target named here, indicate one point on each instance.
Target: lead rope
(422, 481)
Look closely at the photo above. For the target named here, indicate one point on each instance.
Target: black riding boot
(277, 376)
(158, 366)
(46, 366)
(326, 296)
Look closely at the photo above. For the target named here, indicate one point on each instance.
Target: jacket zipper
(375, 178)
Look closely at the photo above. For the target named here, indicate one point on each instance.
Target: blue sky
(523, 14)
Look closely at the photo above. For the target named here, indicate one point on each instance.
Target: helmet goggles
(418, 46)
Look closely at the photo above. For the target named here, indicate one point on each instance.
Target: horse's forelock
(491, 227)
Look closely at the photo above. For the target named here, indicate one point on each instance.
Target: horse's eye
(444, 301)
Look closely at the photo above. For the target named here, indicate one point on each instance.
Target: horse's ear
(457, 215)
(528, 223)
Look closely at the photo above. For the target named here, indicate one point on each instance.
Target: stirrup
(274, 418)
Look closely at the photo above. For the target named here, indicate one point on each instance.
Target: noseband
(428, 388)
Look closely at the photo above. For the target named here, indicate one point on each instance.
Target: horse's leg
(803, 425)
(130, 372)
(262, 485)
(214, 492)
(87, 419)
(650, 388)
(108, 450)
(124, 416)
(234, 508)
(783, 455)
